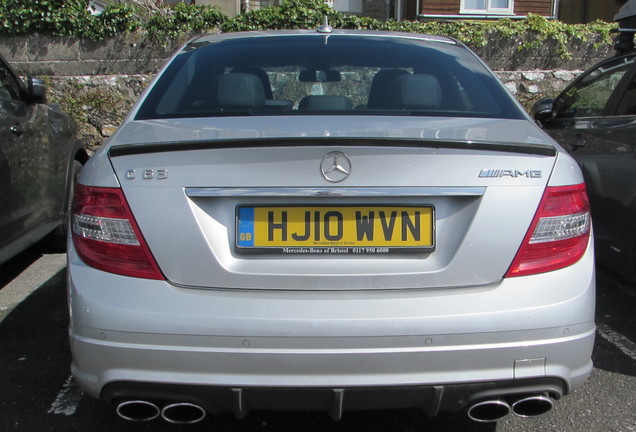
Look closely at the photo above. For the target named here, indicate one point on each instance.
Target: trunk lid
(482, 196)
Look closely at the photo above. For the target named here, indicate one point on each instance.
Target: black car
(594, 118)
(40, 156)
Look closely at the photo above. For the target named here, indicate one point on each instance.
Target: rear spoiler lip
(507, 147)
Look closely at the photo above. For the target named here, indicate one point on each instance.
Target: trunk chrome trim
(335, 192)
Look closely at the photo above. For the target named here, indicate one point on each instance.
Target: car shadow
(369, 421)
(16, 265)
(395, 420)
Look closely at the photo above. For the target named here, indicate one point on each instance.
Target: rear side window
(589, 96)
(341, 74)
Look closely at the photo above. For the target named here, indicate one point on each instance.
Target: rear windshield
(339, 74)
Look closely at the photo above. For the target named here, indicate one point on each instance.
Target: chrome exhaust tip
(489, 411)
(138, 410)
(183, 413)
(532, 406)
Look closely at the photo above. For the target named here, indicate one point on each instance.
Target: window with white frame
(487, 6)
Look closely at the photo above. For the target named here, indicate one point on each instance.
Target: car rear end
(261, 252)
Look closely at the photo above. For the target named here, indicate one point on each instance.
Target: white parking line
(67, 399)
(621, 342)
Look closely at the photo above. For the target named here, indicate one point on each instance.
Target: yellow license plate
(336, 229)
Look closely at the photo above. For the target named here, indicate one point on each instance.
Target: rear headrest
(325, 103)
(240, 91)
(261, 74)
(380, 85)
(416, 91)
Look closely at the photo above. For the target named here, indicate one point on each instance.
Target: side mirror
(543, 109)
(36, 90)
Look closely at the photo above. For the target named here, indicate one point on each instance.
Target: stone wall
(98, 82)
(136, 54)
(67, 56)
(530, 86)
(97, 102)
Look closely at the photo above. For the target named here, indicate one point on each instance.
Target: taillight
(106, 235)
(558, 235)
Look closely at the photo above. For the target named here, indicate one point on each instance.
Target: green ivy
(114, 20)
(291, 14)
(71, 18)
(184, 19)
(64, 18)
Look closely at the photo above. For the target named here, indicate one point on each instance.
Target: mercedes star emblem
(335, 166)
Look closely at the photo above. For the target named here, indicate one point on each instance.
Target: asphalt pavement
(37, 392)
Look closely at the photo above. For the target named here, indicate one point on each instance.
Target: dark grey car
(40, 155)
(594, 118)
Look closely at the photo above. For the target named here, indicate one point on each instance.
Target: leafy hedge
(71, 18)
(64, 18)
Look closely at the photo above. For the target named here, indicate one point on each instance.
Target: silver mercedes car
(329, 220)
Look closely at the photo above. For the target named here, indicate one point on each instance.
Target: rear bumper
(239, 401)
(224, 350)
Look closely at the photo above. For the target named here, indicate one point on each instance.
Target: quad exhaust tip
(183, 413)
(532, 406)
(489, 411)
(187, 413)
(138, 410)
(176, 413)
(498, 409)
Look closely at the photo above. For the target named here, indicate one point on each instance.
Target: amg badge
(496, 173)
